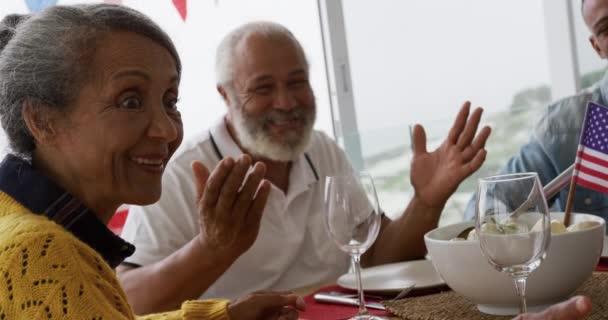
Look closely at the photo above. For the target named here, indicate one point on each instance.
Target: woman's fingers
(246, 195)
(274, 300)
(231, 186)
(215, 182)
(288, 314)
(254, 216)
(266, 305)
(201, 174)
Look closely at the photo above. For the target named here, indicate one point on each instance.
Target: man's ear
(224, 94)
(597, 48)
(39, 122)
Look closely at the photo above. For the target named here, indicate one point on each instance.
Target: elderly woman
(88, 101)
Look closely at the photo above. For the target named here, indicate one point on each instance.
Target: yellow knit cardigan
(47, 273)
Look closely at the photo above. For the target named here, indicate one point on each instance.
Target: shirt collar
(223, 140)
(302, 174)
(41, 195)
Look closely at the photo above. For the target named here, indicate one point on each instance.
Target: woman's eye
(130, 103)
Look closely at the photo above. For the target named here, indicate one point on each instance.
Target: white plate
(394, 276)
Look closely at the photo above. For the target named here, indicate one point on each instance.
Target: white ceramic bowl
(570, 260)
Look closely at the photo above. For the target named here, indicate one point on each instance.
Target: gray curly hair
(45, 58)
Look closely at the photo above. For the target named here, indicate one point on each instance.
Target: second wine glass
(352, 219)
(513, 226)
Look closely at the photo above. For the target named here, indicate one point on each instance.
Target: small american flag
(591, 169)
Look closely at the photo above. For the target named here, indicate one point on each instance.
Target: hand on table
(573, 309)
(267, 306)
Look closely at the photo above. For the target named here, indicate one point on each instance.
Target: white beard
(253, 137)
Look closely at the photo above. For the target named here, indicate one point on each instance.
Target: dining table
(424, 304)
(321, 311)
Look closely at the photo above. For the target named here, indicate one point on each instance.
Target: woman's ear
(39, 122)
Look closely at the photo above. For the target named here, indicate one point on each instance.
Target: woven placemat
(450, 305)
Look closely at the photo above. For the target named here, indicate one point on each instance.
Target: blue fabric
(41, 195)
(552, 149)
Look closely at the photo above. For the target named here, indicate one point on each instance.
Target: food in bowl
(557, 227)
(571, 258)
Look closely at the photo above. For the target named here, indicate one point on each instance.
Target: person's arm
(229, 223)
(403, 239)
(532, 157)
(69, 281)
(183, 275)
(573, 309)
(258, 305)
(84, 289)
(435, 176)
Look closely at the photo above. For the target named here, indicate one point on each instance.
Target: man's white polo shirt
(292, 249)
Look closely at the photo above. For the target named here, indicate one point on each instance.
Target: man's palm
(436, 175)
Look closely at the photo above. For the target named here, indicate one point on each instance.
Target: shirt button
(588, 201)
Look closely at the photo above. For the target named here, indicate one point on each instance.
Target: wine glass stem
(357, 264)
(520, 285)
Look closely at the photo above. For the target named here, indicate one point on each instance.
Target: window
(417, 61)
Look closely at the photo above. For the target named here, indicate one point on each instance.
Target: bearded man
(262, 76)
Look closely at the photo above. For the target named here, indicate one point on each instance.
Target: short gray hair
(224, 60)
(45, 58)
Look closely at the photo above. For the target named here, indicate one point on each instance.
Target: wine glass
(513, 225)
(352, 219)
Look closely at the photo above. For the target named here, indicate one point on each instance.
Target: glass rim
(509, 177)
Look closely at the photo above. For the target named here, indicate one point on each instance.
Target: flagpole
(567, 212)
(570, 199)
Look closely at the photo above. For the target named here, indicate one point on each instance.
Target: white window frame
(561, 44)
(562, 58)
(341, 99)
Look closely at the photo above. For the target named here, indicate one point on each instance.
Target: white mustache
(279, 116)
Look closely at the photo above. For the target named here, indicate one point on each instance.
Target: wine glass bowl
(513, 225)
(512, 246)
(353, 219)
